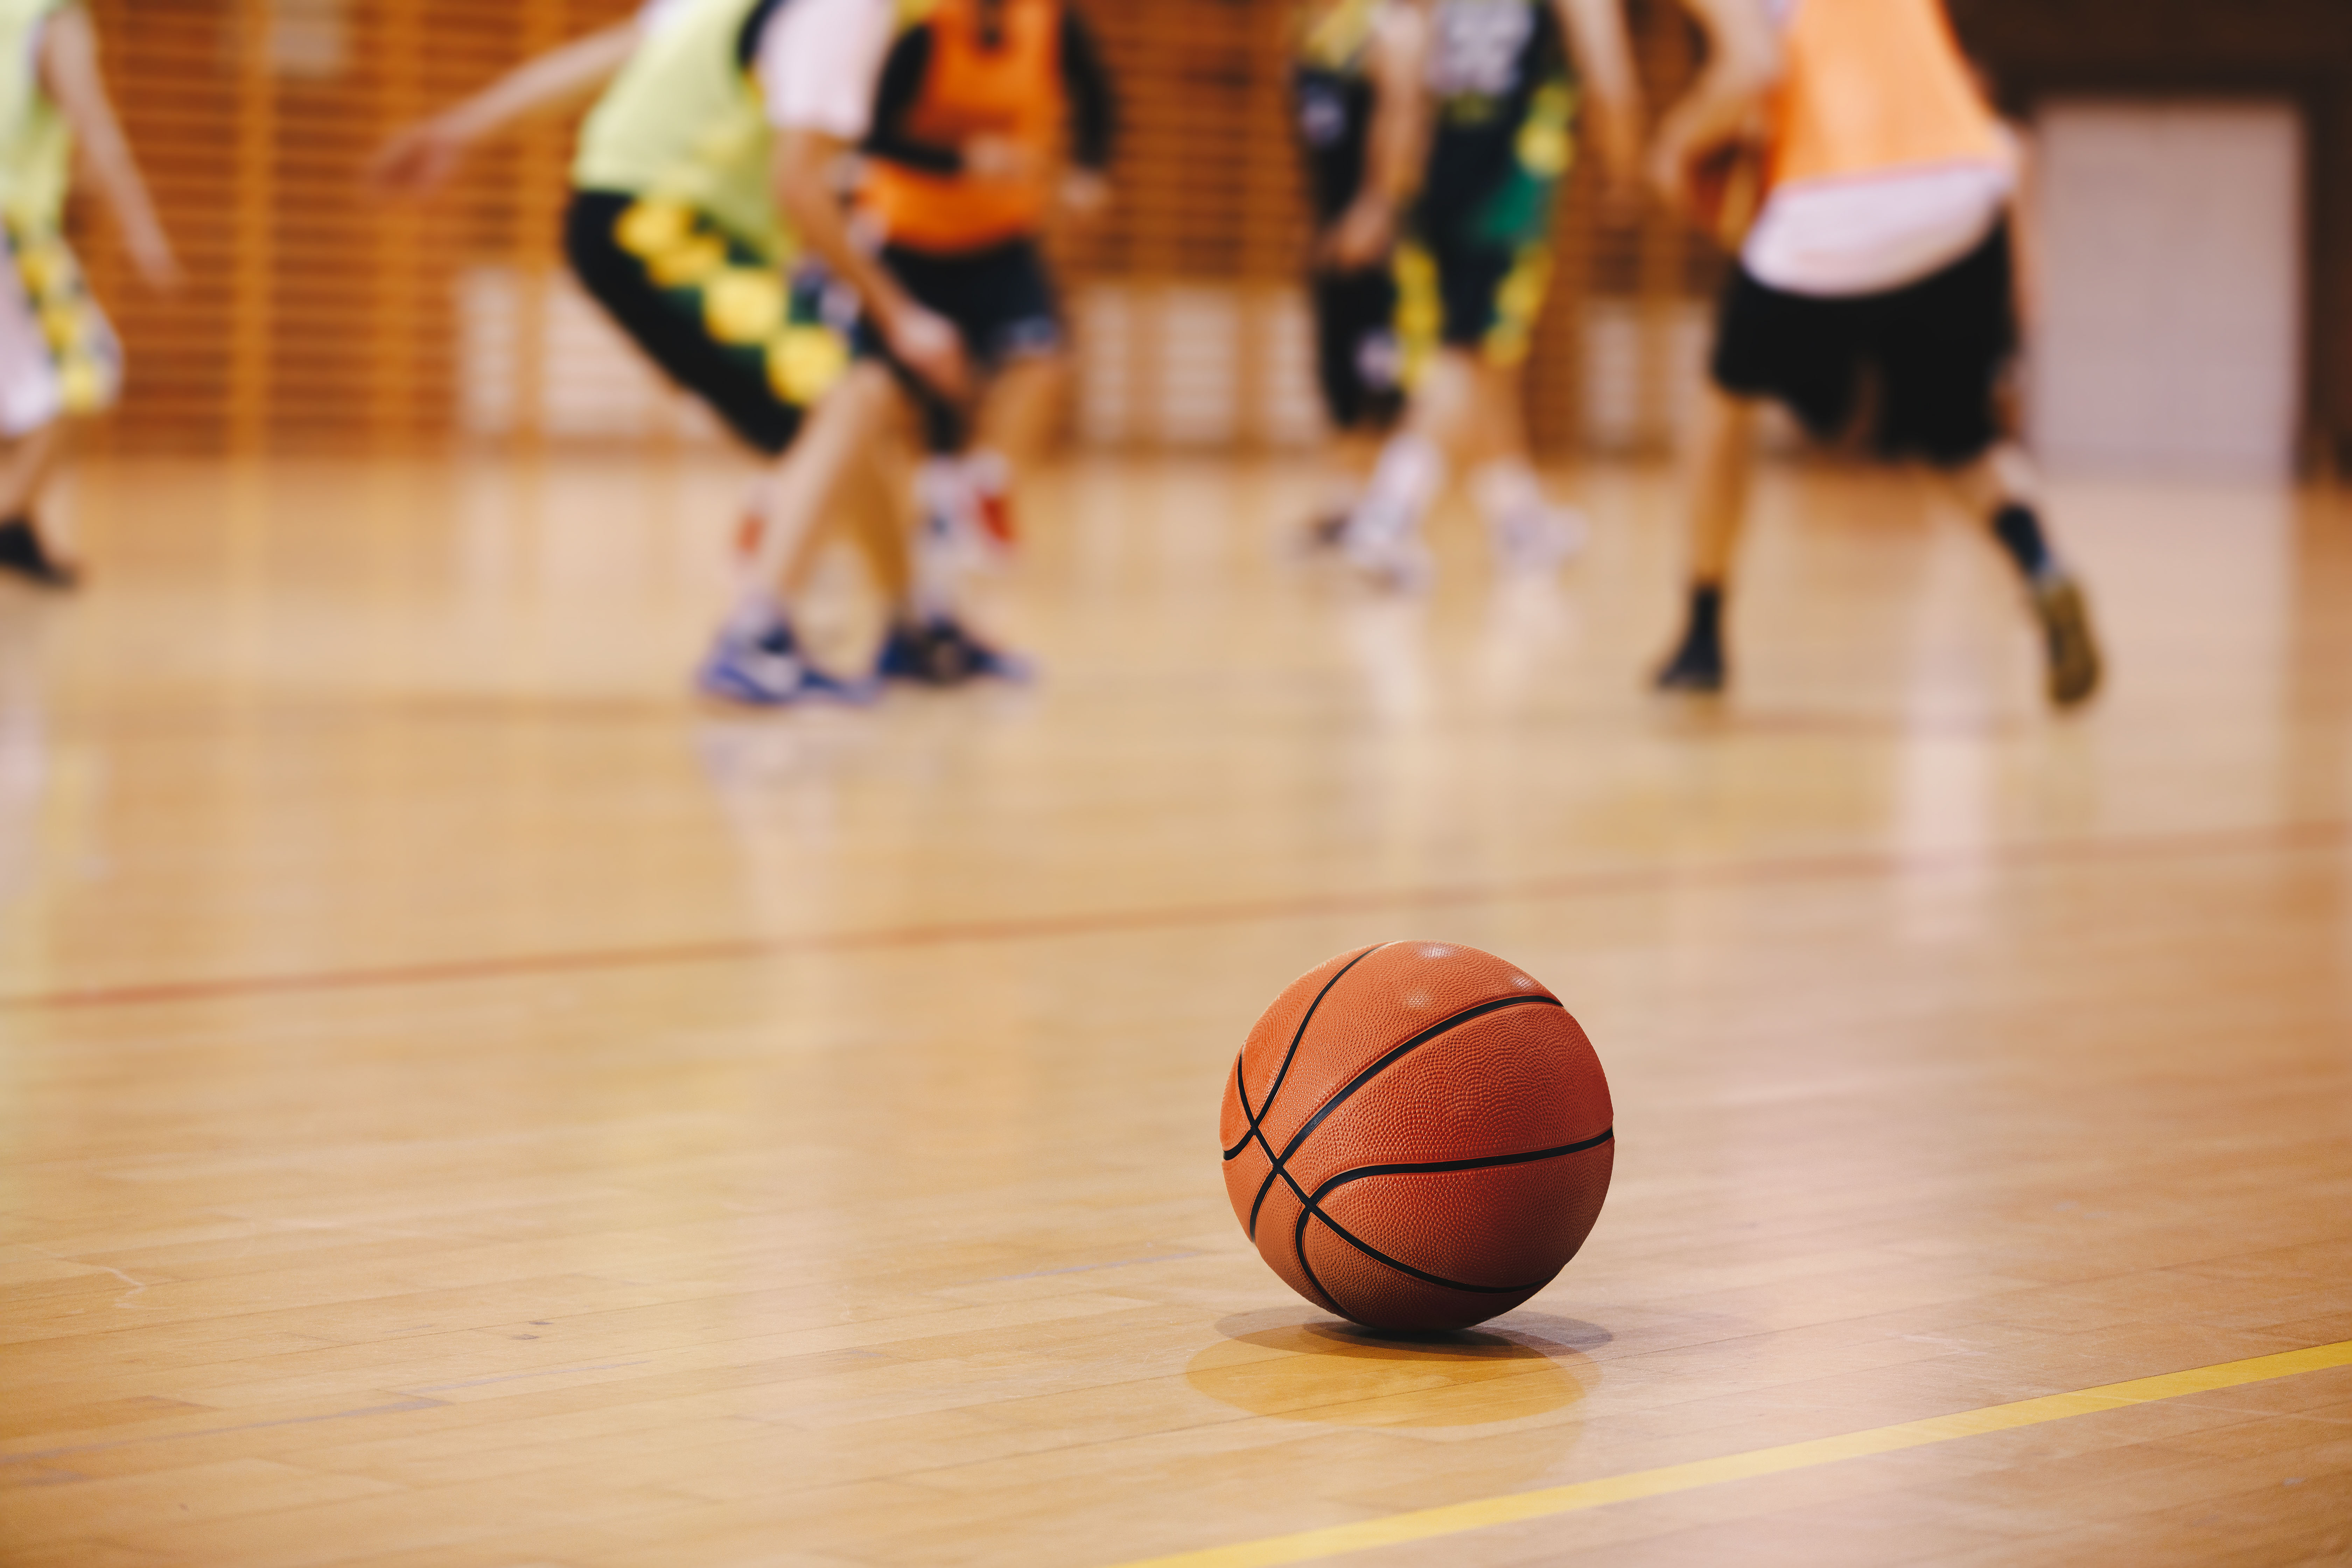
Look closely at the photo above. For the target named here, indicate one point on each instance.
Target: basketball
(1417, 1136)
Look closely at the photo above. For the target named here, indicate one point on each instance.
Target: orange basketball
(1417, 1136)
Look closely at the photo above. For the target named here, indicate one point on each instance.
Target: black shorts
(1001, 299)
(1472, 294)
(1935, 349)
(725, 322)
(1356, 359)
(1477, 264)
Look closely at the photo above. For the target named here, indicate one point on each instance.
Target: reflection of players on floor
(1884, 251)
(1486, 86)
(58, 357)
(674, 226)
(1359, 364)
(963, 331)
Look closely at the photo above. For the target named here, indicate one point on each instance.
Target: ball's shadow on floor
(1298, 1364)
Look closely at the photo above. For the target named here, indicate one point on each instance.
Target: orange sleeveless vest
(1013, 91)
(1873, 85)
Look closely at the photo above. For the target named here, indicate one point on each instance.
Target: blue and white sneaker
(767, 670)
(942, 653)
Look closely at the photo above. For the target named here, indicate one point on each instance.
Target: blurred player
(1494, 78)
(1882, 246)
(58, 357)
(963, 172)
(674, 223)
(1357, 363)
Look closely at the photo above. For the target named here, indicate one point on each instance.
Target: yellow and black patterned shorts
(82, 347)
(760, 347)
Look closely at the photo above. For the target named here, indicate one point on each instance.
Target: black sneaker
(1697, 665)
(1326, 534)
(942, 653)
(2066, 630)
(22, 553)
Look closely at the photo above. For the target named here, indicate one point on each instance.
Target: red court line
(1854, 866)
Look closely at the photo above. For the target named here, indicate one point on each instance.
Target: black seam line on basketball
(1257, 1120)
(1342, 1232)
(1281, 1163)
(1306, 1211)
(1297, 1035)
(1490, 1162)
(1312, 1208)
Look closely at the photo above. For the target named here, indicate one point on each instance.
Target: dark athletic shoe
(1697, 666)
(22, 553)
(942, 653)
(2066, 630)
(1326, 534)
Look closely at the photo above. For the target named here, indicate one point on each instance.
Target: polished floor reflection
(467, 1103)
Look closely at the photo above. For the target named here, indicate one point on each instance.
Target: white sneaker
(1398, 562)
(1537, 540)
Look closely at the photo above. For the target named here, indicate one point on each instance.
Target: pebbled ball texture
(1417, 1136)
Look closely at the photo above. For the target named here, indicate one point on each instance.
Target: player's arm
(820, 64)
(1397, 145)
(421, 156)
(2024, 240)
(68, 70)
(1595, 30)
(804, 162)
(1094, 116)
(1724, 105)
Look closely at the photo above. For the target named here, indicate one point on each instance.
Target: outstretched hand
(417, 160)
(1085, 193)
(930, 345)
(1365, 233)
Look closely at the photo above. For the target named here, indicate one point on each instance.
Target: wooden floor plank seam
(2321, 833)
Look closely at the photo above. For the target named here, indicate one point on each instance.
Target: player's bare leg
(2002, 488)
(756, 657)
(26, 465)
(1527, 533)
(1721, 462)
(1467, 417)
(970, 492)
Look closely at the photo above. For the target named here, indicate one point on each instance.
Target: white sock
(1406, 479)
(941, 486)
(944, 494)
(1506, 491)
(987, 472)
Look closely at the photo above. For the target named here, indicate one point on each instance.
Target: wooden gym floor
(468, 1105)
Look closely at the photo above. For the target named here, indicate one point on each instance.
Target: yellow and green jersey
(36, 148)
(683, 121)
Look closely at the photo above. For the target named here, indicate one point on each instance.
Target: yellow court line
(1424, 1524)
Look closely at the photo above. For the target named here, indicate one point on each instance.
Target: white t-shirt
(820, 61)
(1866, 235)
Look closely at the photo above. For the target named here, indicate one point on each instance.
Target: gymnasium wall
(315, 318)
(2199, 51)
